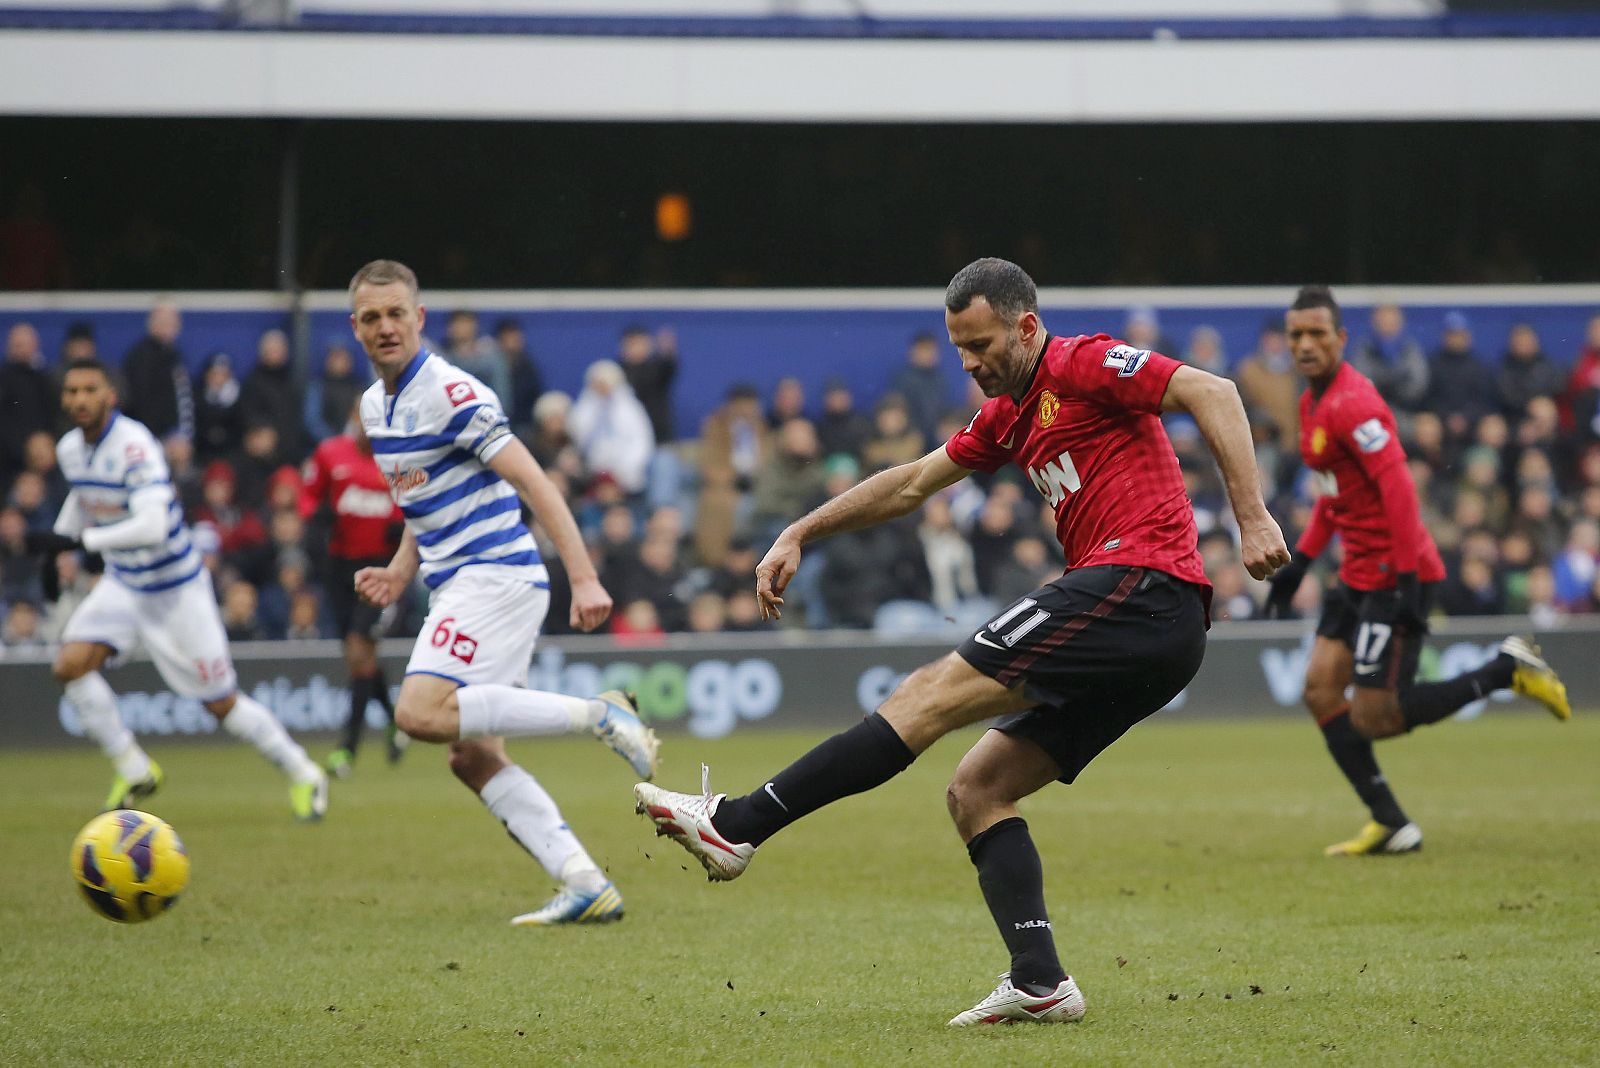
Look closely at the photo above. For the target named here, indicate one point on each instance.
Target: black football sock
(360, 694)
(1013, 884)
(1429, 702)
(1353, 754)
(380, 691)
(867, 755)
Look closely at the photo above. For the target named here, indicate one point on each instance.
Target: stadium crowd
(1505, 453)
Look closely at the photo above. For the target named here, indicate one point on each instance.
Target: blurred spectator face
(1541, 587)
(272, 351)
(1480, 545)
(1589, 466)
(28, 491)
(292, 575)
(665, 523)
(603, 378)
(13, 528)
(616, 526)
(1516, 551)
(164, 322)
(1493, 431)
(837, 400)
(1470, 511)
(1534, 503)
(744, 405)
(743, 612)
(1476, 575)
(1584, 538)
(78, 347)
(641, 617)
(22, 624)
(283, 492)
(1031, 554)
(1541, 422)
(550, 412)
(1007, 493)
(997, 516)
(951, 424)
(1272, 342)
(303, 612)
(219, 370)
(1589, 502)
(1205, 350)
(339, 363)
(1481, 468)
(741, 559)
(179, 452)
(1143, 328)
(1523, 343)
(261, 442)
(798, 438)
(1388, 320)
(1457, 341)
(22, 344)
(936, 514)
(788, 399)
(510, 338)
(287, 529)
(1533, 468)
(635, 346)
(1427, 432)
(659, 555)
(924, 352)
(239, 604)
(461, 332)
(892, 419)
(217, 491)
(39, 453)
(707, 614)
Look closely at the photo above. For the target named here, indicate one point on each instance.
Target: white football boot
(575, 906)
(1009, 1005)
(687, 818)
(621, 728)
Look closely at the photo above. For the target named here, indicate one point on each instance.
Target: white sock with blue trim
(513, 712)
(251, 721)
(529, 813)
(96, 703)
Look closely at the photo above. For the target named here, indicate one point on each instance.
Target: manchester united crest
(1049, 405)
(1319, 441)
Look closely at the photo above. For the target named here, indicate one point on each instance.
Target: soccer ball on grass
(130, 865)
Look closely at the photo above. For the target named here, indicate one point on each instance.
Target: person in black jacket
(1459, 388)
(27, 399)
(272, 397)
(158, 392)
(650, 365)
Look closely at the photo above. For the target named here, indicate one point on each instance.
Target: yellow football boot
(1536, 679)
(1377, 840)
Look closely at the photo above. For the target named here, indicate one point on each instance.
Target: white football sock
(516, 799)
(513, 712)
(251, 721)
(92, 696)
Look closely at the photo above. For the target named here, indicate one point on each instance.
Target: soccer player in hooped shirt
(1375, 621)
(155, 592)
(1071, 666)
(461, 479)
(343, 475)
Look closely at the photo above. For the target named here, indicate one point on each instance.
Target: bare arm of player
(886, 495)
(383, 586)
(1214, 402)
(591, 604)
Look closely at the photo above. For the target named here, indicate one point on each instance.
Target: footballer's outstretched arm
(886, 495)
(591, 604)
(1214, 402)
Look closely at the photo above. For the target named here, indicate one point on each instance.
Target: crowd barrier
(711, 687)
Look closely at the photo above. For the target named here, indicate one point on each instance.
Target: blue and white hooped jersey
(105, 476)
(433, 440)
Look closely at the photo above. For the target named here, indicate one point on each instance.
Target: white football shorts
(481, 628)
(181, 629)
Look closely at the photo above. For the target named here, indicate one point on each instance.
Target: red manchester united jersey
(364, 515)
(1089, 438)
(1348, 437)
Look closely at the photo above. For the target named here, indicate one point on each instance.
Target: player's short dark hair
(89, 363)
(1006, 287)
(1311, 297)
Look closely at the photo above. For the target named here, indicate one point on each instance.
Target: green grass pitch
(1184, 872)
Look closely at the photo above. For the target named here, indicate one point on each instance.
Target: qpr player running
(1375, 621)
(461, 480)
(1071, 666)
(155, 592)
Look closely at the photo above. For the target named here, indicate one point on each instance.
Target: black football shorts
(1099, 649)
(1386, 653)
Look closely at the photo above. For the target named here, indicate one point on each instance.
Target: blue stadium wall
(761, 344)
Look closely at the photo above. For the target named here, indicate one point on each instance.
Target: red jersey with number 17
(1089, 437)
(1348, 437)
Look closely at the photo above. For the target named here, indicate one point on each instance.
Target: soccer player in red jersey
(343, 476)
(1072, 665)
(1374, 622)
